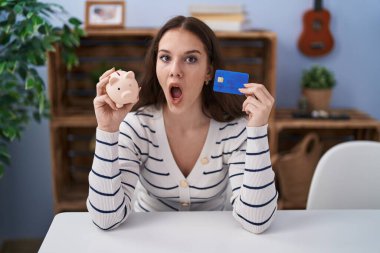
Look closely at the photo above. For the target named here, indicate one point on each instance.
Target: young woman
(183, 143)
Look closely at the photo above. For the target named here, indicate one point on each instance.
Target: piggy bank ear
(130, 74)
(113, 80)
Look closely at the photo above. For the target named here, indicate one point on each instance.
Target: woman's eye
(164, 58)
(191, 59)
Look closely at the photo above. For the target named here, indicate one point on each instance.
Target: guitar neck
(318, 5)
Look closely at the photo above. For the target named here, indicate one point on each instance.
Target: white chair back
(347, 177)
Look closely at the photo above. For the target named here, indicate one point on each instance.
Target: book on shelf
(216, 8)
(227, 25)
(221, 17)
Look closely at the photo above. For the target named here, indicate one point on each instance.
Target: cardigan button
(184, 204)
(204, 160)
(183, 183)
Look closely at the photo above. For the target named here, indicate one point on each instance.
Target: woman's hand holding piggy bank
(122, 88)
(116, 94)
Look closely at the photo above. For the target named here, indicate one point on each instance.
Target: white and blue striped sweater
(135, 165)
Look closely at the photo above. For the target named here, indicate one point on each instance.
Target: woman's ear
(210, 71)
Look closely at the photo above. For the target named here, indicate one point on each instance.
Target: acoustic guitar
(316, 38)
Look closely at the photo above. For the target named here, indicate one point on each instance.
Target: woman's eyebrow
(187, 52)
(193, 51)
(164, 50)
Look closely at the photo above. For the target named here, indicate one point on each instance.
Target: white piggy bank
(122, 88)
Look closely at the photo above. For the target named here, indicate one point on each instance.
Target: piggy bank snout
(126, 93)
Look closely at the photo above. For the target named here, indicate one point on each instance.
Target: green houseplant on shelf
(27, 33)
(317, 84)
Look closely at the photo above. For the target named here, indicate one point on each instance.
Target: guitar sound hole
(317, 25)
(317, 45)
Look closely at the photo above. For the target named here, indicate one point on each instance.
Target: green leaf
(41, 104)
(75, 21)
(54, 38)
(39, 85)
(29, 15)
(30, 28)
(31, 58)
(18, 9)
(80, 32)
(47, 44)
(2, 66)
(37, 21)
(10, 133)
(29, 83)
(67, 40)
(12, 66)
(7, 28)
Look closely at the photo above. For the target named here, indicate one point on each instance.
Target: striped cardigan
(134, 170)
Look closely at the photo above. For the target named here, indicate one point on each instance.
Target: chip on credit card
(229, 81)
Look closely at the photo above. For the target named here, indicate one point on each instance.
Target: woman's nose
(176, 70)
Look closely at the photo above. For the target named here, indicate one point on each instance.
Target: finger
(250, 109)
(245, 91)
(267, 94)
(249, 88)
(261, 96)
(111, 104)
(105, 74)
(252, 101)
(102, 100)
(258, 90)
(100, 86)
(248, 85)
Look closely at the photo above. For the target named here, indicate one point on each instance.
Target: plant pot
(318, 99)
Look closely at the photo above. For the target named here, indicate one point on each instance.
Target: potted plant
(26, 35)
(317, 83)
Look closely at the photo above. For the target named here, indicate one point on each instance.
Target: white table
(206, 232)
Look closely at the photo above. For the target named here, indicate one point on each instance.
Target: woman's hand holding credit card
(259, 101)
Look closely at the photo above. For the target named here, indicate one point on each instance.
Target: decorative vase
(318, 99)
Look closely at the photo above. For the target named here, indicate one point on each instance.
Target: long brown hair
(219, 106)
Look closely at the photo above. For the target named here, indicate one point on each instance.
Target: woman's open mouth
(175, 93)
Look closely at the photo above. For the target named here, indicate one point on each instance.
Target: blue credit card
(229, 81)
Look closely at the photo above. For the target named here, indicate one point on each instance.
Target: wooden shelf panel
(357, 120)
(72, 198)
(75, 120)
(287, 131)
(253, 34)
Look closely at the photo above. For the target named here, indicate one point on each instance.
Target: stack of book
(221, 17)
